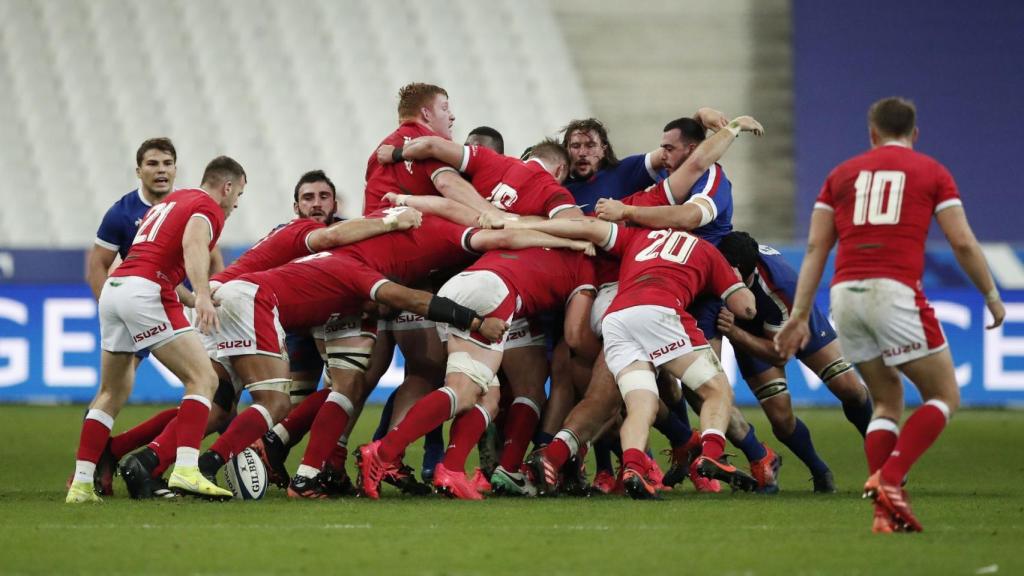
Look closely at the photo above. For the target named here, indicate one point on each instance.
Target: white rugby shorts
(137, 313)
(605, 294)
(523, 333)
(248, 321)
(485, 293)
(881, 317)
(654, 334)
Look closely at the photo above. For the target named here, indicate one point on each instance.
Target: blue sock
(859, 414)
(434, 439)
(681, 409)
(603, 455)
(751, 446)
(541, 438)
(385, 417)
(673, 428)
(801, 445)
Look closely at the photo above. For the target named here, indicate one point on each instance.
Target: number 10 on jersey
(879, 197)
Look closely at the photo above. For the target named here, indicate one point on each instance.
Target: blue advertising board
(49, 351)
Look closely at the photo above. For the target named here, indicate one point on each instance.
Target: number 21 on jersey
(151, 225)
(879, 197)
(668, 245)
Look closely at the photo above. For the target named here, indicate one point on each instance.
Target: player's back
(883, 201)
(156, 252)
(543, 278)
(282, 245)
(415, 178)
(510, 184)
(409, 255)
(774, 287)
(668, 268)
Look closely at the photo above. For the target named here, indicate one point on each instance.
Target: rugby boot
(480, 482)
(372, 469)
(638, 486)
(766, 471)
(894, 499)
(189, 480)
(883, 522)
(545, 475)
(273, 453)
(404, 478)
(454, 484)
(304, 487)
(336, 482)
(604, 482)
(137, 472)
(508, 483)
(81, 492)
(106, 467)
(824, 483)
(723, 471)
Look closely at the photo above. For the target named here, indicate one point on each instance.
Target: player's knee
(702, 370)
(462, 367)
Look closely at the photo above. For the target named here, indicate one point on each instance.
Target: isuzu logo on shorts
(150, 333)
(900, 350)
(668, 348)
(517, 334)
(234, 344)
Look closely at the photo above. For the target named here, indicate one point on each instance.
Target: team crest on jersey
(503, 196)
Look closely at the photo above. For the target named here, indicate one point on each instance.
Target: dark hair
(690, 129)
(161, 144)
(741, 251)
(412, 97)
(488, 132)
(548, 149)
(588, 125)
(314, 176)
(221, 169)
(893, 116)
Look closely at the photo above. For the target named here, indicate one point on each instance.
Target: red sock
(245, 429)
(919, 433)
(165, 445)
(879, 442)
(301, 418)
(558, 453)
(520, 423)
(465, 433)
(192, 416)
(712, 444)
(95, 433)
(338, 457)
(142, 434)
(635, 460)
(329, 425)
(428, 413)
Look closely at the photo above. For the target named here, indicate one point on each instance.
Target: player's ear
(914, 135)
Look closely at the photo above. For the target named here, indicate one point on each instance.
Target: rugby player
(773, 283)
(138, 309)
(878, 205)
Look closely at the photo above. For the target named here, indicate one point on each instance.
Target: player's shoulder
(129, 203)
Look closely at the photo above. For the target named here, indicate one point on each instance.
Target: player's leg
(450, 477)
(525, 365)
(639, 389)
(424, 355)
(684, 442)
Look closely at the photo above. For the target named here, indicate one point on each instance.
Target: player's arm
(195, 244)
(709, 118)
(97, 267)
(687, 217)
(763, 348)
(592, 230)
(453, 186)
(953, 222)
(437, 206)
(576, 330)
(423, 148)
(822, 236)
(358, 229)
(216, 260)
(510, 239)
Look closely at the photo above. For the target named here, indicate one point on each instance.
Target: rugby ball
(246, 476)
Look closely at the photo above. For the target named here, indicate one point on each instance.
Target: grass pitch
(966, 491)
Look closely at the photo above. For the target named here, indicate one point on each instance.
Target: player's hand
(583, 246)
(748, 124)
(394, 198)
(206, 315)
(726, 321)
(493, 329)
(384, 153)
(610, 210)
(493, 219)
(795, 334)
(998, 311)
(409, 218)
(712, 119)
